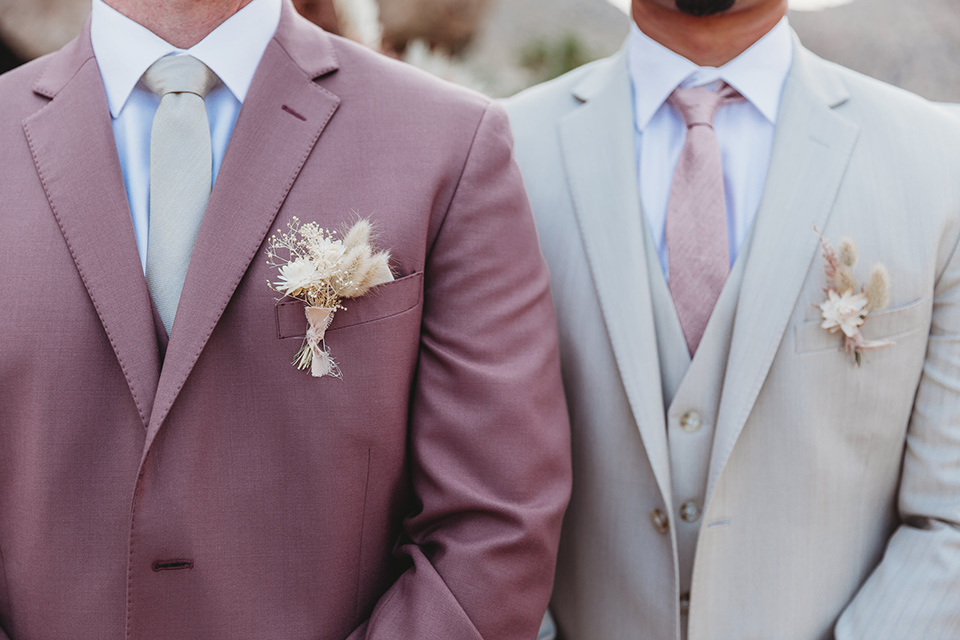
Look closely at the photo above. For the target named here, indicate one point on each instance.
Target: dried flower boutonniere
(847, 307)
(321, 270)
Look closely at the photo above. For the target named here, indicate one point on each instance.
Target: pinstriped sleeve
(915, 590)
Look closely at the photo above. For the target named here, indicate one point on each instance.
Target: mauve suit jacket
(218, 492)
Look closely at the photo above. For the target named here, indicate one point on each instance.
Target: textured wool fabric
(180, 174)
(225, 494)
(833, 493)
(696, 229)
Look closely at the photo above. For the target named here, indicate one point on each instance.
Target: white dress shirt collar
(125, 49)
(758, 73)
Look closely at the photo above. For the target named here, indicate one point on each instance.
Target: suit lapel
(812, 147)
(281, 120)
(72, 142)
(598, 146)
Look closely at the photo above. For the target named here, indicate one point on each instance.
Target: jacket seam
(463, 171)
(363, 520)
(6, 584)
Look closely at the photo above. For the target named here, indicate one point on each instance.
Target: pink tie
(697, 246)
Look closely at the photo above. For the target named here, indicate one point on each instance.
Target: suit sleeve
(489, 432)
(915, 590)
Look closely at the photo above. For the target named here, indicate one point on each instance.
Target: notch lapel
(280, 122)
(600, 159)
(71, 139)
(812, 148)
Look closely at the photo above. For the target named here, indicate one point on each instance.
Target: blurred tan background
(502, 46)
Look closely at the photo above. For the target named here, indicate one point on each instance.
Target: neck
(711, 41)
(182, 23)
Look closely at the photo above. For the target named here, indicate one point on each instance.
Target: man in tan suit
(738, 474)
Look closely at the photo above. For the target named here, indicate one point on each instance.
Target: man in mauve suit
(198, 485)
(739, 474)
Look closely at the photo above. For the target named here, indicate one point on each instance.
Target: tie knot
(698, 105)
(179, 74)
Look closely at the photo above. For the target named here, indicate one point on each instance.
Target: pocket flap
(383, 301)
(881, 325)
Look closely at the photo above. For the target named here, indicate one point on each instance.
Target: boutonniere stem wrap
(318, 268)
(848, 306)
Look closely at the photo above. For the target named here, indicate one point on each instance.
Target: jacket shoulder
(542, 105)
(889, 111)
(400, 86)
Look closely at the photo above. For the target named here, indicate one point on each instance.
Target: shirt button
(685, 603)
(691, 422)
(689, 511)
(660, 521)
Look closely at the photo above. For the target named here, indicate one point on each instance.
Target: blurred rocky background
(914, 44)
(502, 46)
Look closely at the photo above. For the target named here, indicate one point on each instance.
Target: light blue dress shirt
(744, 129)
(125, 49)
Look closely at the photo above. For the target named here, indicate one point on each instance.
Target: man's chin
(701, 8)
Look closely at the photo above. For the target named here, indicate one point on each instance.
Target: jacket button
(691, 422)
(685, 603)
(660, 521)
(689, 511)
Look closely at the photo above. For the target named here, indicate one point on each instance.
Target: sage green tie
(180, 174)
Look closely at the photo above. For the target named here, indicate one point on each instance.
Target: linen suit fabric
(418, 497)
(832, 502)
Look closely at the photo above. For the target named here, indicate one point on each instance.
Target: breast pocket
(383, 301)
(889, 324)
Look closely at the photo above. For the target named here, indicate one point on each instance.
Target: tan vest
(691, 395)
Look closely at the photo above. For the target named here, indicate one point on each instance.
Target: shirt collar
(125, 49)
(758, 73)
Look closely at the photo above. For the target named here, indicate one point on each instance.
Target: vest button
(691, 422)
(660, 521)
(685, 603)
(689, 511)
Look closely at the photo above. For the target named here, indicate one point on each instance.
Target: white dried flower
(843, 312)
(296, 276)
(326, 257)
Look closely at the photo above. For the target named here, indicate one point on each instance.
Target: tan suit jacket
(833, 491)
